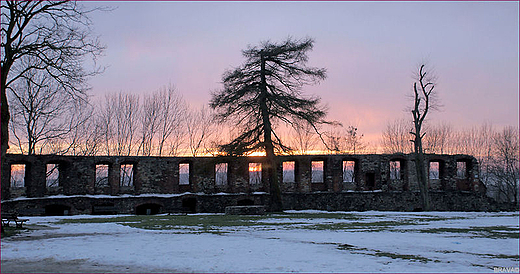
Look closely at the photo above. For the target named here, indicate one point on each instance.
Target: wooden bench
(8, 217)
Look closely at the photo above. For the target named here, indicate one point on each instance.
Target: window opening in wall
(221, 170)
(317, 171)
(127, 175)
(101, 176)
(255, 173)
(434, 173)
(461, 170)
(395, 170)
(18, 176)
(348, 171)
(184, 174)
(52, 175)
(288, 172)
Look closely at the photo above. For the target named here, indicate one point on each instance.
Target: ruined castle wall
(313, 178)
(77, 174)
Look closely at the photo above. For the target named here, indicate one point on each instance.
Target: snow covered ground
(297, 241)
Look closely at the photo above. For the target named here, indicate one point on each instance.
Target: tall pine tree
(264, 91)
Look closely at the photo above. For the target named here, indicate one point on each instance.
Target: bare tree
(161, 115)
(344, 140)
(396, 137)
(439, 138)
(477, 141)
(505, 167)
(57, 34)
(353, 141)
(334, 139)
(86, 139)
(173, 109)
(264, 91)
(199, 125)
(43, 114)
(149, 120)
(117, 120)
(305, 138)
(423, 95)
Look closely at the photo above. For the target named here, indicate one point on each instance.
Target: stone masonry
(150, 185)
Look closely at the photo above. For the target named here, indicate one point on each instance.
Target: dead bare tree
(57, 34)
(423, 102)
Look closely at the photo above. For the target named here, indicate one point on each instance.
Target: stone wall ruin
(150, 185)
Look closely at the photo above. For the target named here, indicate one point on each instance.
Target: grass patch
(220, 223)
(379, 253)
(369, 226)
(211, 223)
(402, 256)
(190, 223)
(494, 256)
(493, 232)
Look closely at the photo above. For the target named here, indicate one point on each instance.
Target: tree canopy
(267, 90)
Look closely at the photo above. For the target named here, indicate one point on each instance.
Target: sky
(370, 50)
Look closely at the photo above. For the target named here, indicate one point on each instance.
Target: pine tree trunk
(275, 204)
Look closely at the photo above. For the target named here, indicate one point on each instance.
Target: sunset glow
(369, 49)
(255, 167)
